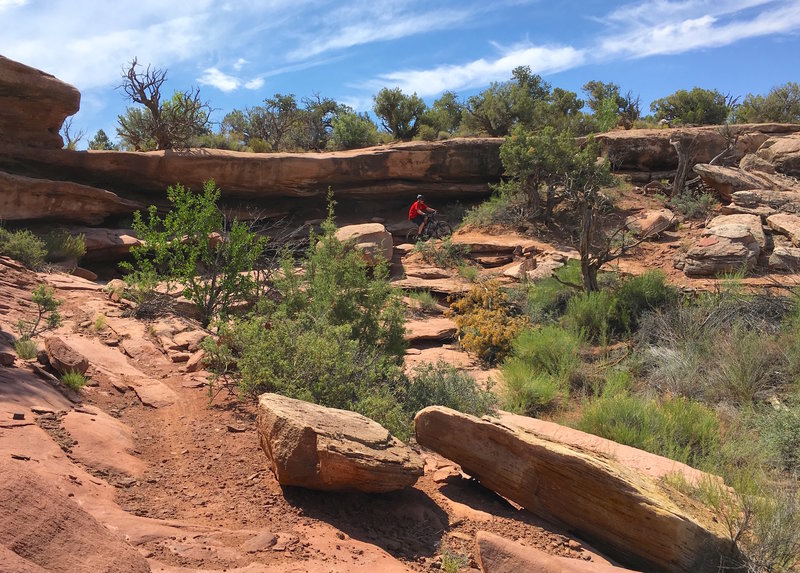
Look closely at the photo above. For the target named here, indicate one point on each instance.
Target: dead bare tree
(686, 147)
(169, 124)
(71, 140)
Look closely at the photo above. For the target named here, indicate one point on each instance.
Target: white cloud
(541, 59)
(4, 4)
(215, 78)
(239, 64)
(254, 84)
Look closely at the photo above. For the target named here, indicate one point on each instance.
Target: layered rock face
(329, 449)
(33, 105)
(625, 512)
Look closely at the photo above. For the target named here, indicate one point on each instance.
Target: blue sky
(241, 51)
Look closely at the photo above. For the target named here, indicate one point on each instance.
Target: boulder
(752, 162)
(723, 249)
(651, 222)
(26, 198)
(189, 339)
(786, 224)
(785, 259)
(372, 239)
(33, 105)
(7, 353)
(196, 361)
(727, 180)
(42, 525)
(328, 449)
(752, 222)
(783, 153)
(86, 274)
(63, 357)
(631, 516)
(496, 554)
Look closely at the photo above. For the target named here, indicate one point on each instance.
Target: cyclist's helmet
(420, 197)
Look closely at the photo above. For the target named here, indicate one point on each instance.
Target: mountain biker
(418, 213)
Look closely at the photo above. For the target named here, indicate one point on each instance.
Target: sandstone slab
(785, 259)
(25, 198)
(499, 555)
(328, 449)
(752, 222)
(42, 525)
(786, 224)
(629, 515)
(103, 443)
(723, 249)
(783, 153)
(726, 180)
(651, 222)
(430, 329)
(63, 357)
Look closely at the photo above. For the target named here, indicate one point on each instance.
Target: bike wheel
(442, 229)
(411, 236)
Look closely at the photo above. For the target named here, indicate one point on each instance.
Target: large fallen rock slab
(727, 180)
(328, 449)
(752, 222)
(26, 198)
(651, 222)
(371, 239)
(632, 517)
(786, 224)
(40, 524)
(723, 249)
(63, 357)
(430, 329)
(104, 244)
(496, 554)
(33, 105)
(649, 150)
(783, 153)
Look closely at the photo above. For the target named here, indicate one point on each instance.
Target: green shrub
(25, 348)
(352, 130)
(530, 393)
(442, 384)
(61, 246)
(693, 206)
(181, 247)
(24, 247)
(427, 133)
(453, 562)
(468, 271)
(422, 302)
(744, 364)
(780, 433)
(487, 322)
(74, 380)
(677, 428)
(443, 254)
(505, 207)
(46, 308)
(547, 299)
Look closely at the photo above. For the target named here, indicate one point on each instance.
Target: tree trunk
(683, 147)
(588, 270)
(550, 205)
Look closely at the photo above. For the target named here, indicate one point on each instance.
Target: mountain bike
(435, 228)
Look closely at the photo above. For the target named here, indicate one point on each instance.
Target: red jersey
(418, 207)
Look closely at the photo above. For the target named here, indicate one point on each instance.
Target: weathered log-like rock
(650, 223)
(629, 515)
(646, 150)
(372, 239)
(26, 198)
(33, 105)
(786, 224)
(452, 168)
(499, 555)
(329, 449)
(63, 357)
(783, 153)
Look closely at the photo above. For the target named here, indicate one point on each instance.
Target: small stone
(18, 416)
(260, 542)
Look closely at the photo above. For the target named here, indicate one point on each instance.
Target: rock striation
(328, 449)
(33, 105)
(624, 512)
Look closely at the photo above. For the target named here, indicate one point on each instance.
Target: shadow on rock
(407, 524)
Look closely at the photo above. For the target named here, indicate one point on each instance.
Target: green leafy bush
(46, 309)
(547, 299)
(442, 384)
(352, 130)
(74, 380)
(197, 247)
(692, 205)
(24, 247)
(422, 302)
(506, 207)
